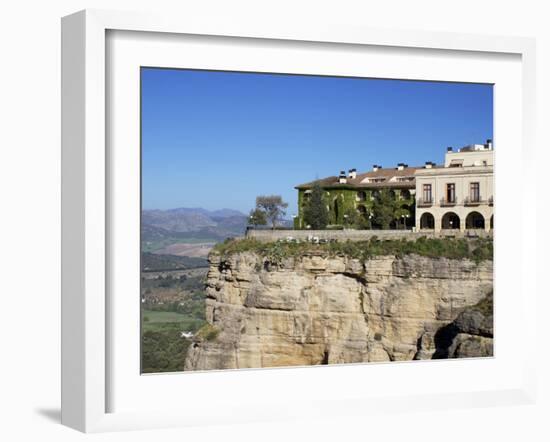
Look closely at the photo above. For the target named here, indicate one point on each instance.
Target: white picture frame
(86, 207)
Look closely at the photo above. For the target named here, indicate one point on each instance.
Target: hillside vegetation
(475, 249)
(170, 306)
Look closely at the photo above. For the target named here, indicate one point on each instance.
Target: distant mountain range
(164, 226)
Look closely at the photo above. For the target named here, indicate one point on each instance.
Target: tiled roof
(386, 173)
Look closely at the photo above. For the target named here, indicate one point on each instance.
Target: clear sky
(218, 139)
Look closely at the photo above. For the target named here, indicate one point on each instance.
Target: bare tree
(273, 206)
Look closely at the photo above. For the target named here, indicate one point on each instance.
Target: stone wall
(355, 235)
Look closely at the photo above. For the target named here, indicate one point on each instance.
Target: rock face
(313, 310)
(470, 334)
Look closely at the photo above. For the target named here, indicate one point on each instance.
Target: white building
(458, 195)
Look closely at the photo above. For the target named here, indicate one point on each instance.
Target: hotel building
(457, 195)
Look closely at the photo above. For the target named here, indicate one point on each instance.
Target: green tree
(364, 222)
(384, 209)
(387, 209)
(399, 213)
(257, 217)
(273, 206)
(316, 212)
(352, 218)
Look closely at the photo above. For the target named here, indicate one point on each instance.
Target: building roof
(389, 175)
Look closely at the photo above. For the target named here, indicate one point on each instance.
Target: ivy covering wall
(353, 202)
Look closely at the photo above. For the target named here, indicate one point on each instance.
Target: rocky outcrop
(317, 309)
(470, 334)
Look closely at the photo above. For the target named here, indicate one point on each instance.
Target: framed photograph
(263, 222)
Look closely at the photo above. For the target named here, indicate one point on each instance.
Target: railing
(424, 202)
(468, 201)
(447, 202)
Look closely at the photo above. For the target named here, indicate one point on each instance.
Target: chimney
(401, 166)
(342, 178)
(428, 165)
(375, 168)
(450, 149)
(489, 144)
(352, 174)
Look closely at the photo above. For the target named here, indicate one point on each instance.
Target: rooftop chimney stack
(342, 178)
(428, 165)
(490, 144)
(352, 174)
(450, 149)
(400, 166)
(375, 168)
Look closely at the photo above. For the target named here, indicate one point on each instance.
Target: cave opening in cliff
(443, 340)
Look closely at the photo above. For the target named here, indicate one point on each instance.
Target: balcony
(469, 201)
(421, 202)
(447, 202)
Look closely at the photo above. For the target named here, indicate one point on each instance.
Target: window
(427, 192)
(474, 192)
(451, 192)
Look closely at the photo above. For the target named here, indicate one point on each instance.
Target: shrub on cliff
(477, 250)
(208, 332)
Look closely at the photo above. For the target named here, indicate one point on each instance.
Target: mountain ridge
(184, 225)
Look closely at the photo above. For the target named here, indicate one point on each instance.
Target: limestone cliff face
(325, 310)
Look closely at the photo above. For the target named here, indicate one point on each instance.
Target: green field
(171, 305)
(163, 349)
(158, 321)
(152, 316)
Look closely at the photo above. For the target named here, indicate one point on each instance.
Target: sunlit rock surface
(313, 310)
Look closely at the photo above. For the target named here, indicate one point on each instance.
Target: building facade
(459, 194)
(353, 192)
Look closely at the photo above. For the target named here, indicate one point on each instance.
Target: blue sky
(218, 139)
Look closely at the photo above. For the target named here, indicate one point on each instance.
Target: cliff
(321, 309)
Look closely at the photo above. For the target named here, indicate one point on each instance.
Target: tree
(400, 214)
(387, 209)
(383, 209)
(352, 218)
(257, 217)
(273, 207)
(315, 211)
